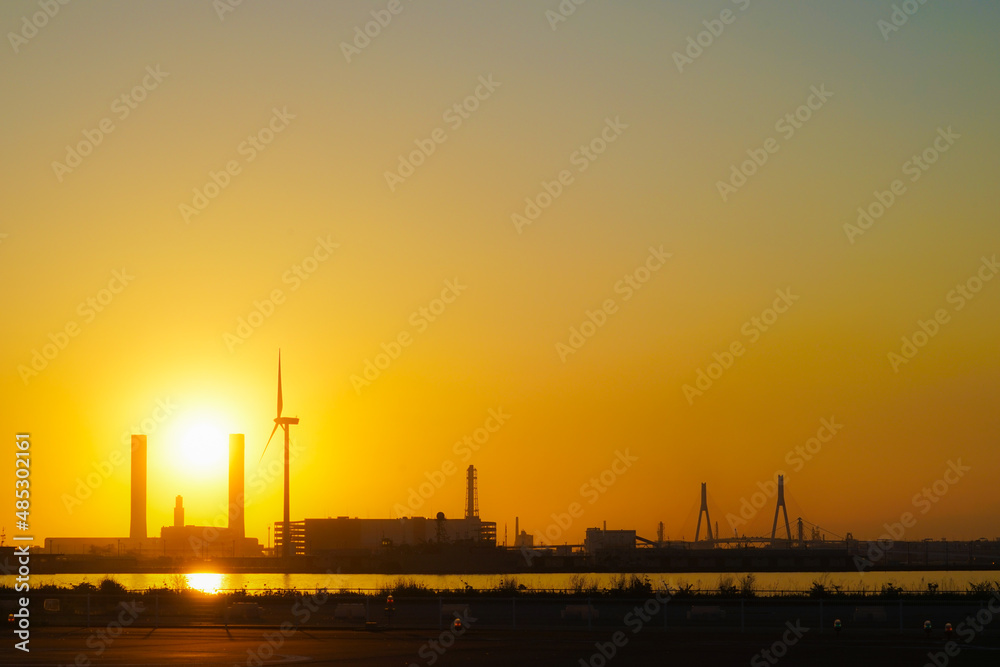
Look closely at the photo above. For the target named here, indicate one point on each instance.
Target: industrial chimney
(137, 529)
(471, 495)
(179, 512)
(237, 525)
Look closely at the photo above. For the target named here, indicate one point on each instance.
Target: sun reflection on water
(206, 582)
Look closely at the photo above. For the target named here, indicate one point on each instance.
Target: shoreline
(728, 587)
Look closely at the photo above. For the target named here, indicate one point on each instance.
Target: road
(215, 646)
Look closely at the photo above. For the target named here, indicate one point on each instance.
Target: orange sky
(632, 248)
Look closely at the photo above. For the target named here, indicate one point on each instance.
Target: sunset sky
(633, 234)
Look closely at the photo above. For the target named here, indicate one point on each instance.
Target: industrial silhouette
(780, 506)
(471, 494)
(704, 510)
(178, 540)
(359, 540)
(236, 523)
(285, 423)
(137, 527)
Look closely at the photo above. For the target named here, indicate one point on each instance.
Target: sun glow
(202, 445)
(206, 582)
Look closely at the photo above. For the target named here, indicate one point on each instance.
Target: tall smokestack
(471, 497)
(179, 512)
(236, 447)
(137, 529)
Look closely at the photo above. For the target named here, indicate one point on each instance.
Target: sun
(202, 445)
(206, 582)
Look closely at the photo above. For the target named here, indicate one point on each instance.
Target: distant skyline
(680, 242)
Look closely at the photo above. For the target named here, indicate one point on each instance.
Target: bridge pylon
(704, 510)
(781, 507)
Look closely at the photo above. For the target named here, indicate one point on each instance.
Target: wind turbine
(287, 550)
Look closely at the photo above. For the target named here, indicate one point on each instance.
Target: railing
(114, 612)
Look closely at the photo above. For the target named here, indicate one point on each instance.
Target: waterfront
(765, 583)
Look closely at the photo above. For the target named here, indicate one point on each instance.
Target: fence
(356, 611)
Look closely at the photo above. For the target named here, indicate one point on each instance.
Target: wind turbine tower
(287, 549)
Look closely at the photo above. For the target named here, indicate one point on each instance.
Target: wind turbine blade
(279, 383)
(268, 443)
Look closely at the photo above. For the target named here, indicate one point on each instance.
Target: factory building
(314, 537)
(308, 537)
(522, 539)
(608, 540)
(179, 540)
(206, 541)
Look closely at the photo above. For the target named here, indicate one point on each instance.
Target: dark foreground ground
(402, 648)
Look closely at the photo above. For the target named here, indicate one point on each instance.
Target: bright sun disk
(203, 446)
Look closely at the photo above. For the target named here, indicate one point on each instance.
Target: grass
(581, 586)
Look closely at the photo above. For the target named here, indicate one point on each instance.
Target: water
(765, 582)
